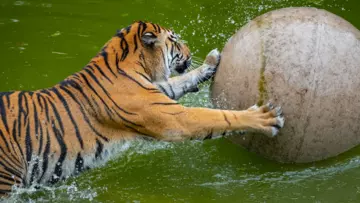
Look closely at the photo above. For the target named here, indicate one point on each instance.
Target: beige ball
(308, 61)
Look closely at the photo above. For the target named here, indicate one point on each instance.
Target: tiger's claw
(269, 119)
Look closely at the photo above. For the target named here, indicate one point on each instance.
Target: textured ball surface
(308, 61)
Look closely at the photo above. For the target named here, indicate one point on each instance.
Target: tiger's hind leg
(177, 87)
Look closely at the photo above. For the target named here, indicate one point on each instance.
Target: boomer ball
(308, 61)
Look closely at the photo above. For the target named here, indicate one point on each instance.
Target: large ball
(308, 61)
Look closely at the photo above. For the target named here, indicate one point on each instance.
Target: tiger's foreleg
(177, 87)
(166, 120)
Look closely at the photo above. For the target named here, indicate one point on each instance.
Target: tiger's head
(159, 50)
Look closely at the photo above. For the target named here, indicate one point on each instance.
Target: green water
(42, 42)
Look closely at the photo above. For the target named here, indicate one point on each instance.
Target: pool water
(42, 42)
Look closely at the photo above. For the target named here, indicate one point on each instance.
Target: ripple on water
(287, 177)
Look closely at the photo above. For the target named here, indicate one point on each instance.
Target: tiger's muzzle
(181, 68)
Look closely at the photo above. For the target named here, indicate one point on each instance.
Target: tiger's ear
(149, 39)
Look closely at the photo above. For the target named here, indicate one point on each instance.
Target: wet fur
(123, 92)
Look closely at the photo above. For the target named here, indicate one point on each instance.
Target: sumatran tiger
(124, 92)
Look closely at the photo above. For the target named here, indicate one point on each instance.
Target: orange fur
(49, 134)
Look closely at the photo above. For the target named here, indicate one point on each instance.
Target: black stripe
(45, 156)
(107, 109)
(144, 26)
(57, 116)
(155, 28)
(13, 148)
(95, 103)
(5, 141)
(44, 91)
(66, 106)
(139, 31)
(7, 97)
(227, 121)
(172, 50)
(136, 45)
(17, 143)
(13, 159)
(144, 76)
(124, 47)
(128, 28)
(36, 121)
(12, 171)
(41, 140)
(35, 171)
(178, 46)
(3, 114)
(173, 114)
(11, 164)
(99, 149)
(142, 66)
(172, 40)
(46, 107)
(164, 103)
(163, 56)
(102, 73)
(79, 164)
(164, 91)
(137, 82)
(107, 93)
(5, 192)
(105, 56)
(6, 183)
(63, 152)
(5, 173)
(117, 61)
(28, 144)
(157, 92)
(94, 91)
(26, 104)
(172, 91)
(137, 131)
(6, 177)
(174, 58)
(209, 136)
(77, 87)
(39, 102)
(167, 51)
(159, 28)
(21, 112)
(126, 120)
(87, 120)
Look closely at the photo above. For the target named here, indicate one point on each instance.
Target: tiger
(125, 92)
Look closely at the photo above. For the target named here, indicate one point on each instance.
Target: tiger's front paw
(210, 65)
(269, 119)
(213, 58)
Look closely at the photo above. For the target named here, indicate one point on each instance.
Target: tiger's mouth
(182, 67)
